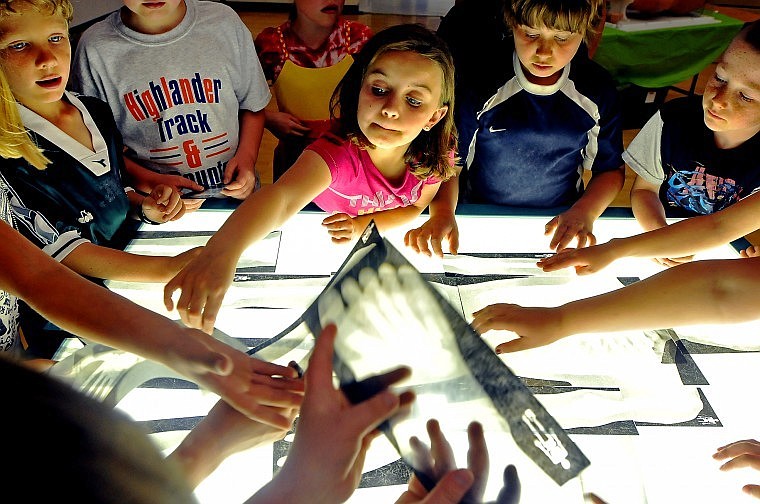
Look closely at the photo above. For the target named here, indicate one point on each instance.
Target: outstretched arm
(680, 239)
(719, 293)
(205, 280)
(84, 308)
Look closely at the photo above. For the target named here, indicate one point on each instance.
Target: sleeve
(252, 90)
(266, 45)
(643, 154)
(610, 138)
(334, 155)
(359, 35)
(57, 243)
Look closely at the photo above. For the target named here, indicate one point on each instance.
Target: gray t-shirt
(176, 95)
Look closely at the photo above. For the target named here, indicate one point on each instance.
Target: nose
(390, 107)
(719, 97)
(46, 58)
(543, 48)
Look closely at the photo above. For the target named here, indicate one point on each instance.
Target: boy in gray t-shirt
(187, 92)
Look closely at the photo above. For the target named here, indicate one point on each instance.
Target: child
(76, 207)
(527, 143)
(397, 146)
(694, 159)
(187, 91)
(307, 55)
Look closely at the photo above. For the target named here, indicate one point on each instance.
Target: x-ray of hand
(387, 318)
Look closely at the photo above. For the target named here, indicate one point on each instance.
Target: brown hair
(577, 16)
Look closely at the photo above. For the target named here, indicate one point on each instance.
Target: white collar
(538, 89)
(96, 160)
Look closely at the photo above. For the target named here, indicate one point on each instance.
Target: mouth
(379, 126)
(712, 114)
(50, 82)
(542, 67)
(153, 5)
(331, 9)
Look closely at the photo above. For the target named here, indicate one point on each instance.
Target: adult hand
(745, 453)
(325, 462)
(568, 226)
(163, 204)
(432, 234)
(203, 283)
(341, 227)
(535, 326)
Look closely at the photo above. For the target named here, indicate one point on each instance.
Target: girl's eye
(414, 102)
(56, 38)
(17, 46)
(561, 39)
(378, 91)
(721, 81)
(746, 98)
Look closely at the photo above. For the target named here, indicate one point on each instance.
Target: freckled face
(35, 54)
(400, 95)
(731, 100)
(543, 52)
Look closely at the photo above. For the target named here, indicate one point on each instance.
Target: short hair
(60, 7)
(429, 155)
(577, 16)
(751, 34)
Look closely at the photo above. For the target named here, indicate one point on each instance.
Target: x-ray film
(388, 316)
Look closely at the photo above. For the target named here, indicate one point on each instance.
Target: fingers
(477, 461)
(451, 488)
(454, 241)
(440, 449)
(340, 227)
(510, 492)
(182, 182)
(753, 490)
(192, 204)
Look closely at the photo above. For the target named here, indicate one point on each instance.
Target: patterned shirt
(275, 45)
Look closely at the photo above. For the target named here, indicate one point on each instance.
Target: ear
(437, 116)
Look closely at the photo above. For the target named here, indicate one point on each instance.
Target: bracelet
(145, 218)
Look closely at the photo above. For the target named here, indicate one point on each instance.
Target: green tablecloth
(664, 57)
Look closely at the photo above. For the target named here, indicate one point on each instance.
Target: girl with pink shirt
(394, 147)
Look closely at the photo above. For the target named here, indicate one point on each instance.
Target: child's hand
(240, 177)
(341, 227)
(222, 432)
(570, 225)
(263, 391)
(753, 251)
(585, 260)
(744, 453)
(535, 326)
(673, 261)
(282, 124)
(163, 204)
(203, 282)
(431, 235)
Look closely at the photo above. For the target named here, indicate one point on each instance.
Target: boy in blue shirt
(527, 143)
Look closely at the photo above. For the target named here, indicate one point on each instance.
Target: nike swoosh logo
(496, 130)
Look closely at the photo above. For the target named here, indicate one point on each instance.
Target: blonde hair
(15, 141)
(577, 16)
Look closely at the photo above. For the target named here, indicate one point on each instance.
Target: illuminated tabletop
(664, 57)
(647, 409)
